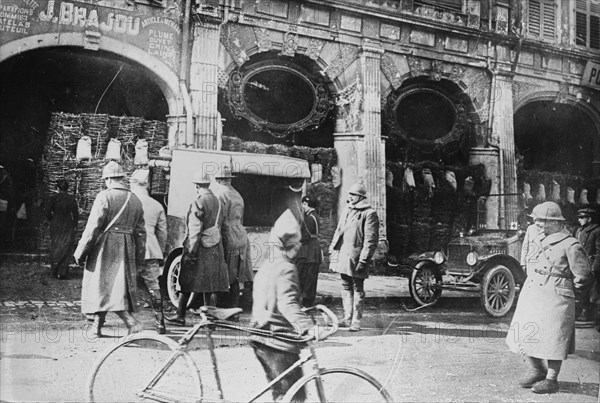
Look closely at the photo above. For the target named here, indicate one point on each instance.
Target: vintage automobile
(486, 263)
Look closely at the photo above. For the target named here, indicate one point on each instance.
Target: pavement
(328, 287)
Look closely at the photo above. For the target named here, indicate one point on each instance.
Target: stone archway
(164, 77)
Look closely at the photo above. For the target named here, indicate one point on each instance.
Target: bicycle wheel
(144, 367)
(341, 384)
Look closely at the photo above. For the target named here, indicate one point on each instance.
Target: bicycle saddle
(220, 313)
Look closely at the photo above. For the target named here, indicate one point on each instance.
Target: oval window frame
(240, 109)
(455, 133)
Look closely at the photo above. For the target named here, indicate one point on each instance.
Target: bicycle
(172, 375)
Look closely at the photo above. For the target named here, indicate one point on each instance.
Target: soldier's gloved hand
(361, 268)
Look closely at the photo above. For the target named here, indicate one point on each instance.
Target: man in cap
(112, 247)
(351, 252)
(203, 267)
(310, 256)
(588, 235)
(276, 308)
(558, 270)
(156, 240)
(235, 238)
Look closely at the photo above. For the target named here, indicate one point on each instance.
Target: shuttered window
(541, 20)
(587, 23)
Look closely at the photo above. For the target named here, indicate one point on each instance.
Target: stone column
(204, 82)
(374, 147)
(358, 143)
(503, 133)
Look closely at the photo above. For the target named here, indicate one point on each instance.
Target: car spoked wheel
(424, 285)
(172, 276)
(498, 291)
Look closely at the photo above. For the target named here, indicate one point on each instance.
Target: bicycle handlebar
(317, 333)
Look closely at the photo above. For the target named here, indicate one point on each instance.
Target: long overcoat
(589, 237)
(309, 256)
(155, 222)
(355, 240)
(543, 325)
(210, 272)
(63, 214)
(235, 238)
(109, 278)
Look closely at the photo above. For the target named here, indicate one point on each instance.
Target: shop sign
(153, 30)
(591, 75)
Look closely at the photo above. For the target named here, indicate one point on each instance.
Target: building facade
(513, 86)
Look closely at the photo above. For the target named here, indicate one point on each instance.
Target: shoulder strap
(114, 220)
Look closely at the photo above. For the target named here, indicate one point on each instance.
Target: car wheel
(498, 291)
(423, 286)
(171, 275)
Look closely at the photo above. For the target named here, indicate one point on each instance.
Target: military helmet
(113, 170)
(358, 189)
(201, 178)
(547, 211)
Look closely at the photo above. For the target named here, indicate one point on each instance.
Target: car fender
(511, 263)
(427, 263)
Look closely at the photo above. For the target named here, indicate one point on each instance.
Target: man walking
(156, 240)
(351, 252)
(235, 238)
(203, 267)
(112, 247)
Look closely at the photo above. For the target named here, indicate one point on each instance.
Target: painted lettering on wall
(16, 19)
(162, 44)
(71, 14)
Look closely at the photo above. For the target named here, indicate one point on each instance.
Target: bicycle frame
(207, 324)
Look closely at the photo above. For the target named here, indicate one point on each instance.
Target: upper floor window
(453, 6)
(587, 23)
(541, 20)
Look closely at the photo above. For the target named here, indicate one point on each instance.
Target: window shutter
(587, 24)
(549, 20)
(535, 22)
(542, 19)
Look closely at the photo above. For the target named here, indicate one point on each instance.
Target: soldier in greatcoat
(112, 247)
(543, 326)
(588, 235)
(156, 241)
(203, 267)
(235, 238)
(351, 252)
(309, 256)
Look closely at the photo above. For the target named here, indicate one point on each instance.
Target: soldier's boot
(133, 325)
(157, 306)
(359, 304)
(179, 317)
(234, 295)
(348, 305)
(94, 327)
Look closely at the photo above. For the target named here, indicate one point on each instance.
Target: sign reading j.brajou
(154, 30)
(591, 75)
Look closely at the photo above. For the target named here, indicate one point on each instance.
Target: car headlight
(472, 258)
(439, 258)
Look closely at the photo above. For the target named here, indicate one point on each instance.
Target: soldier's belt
(122, 230)
(551, 274)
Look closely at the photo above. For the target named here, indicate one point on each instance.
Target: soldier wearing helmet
(558, 272)
(112, 247)
(351, 252)
(203, 267)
